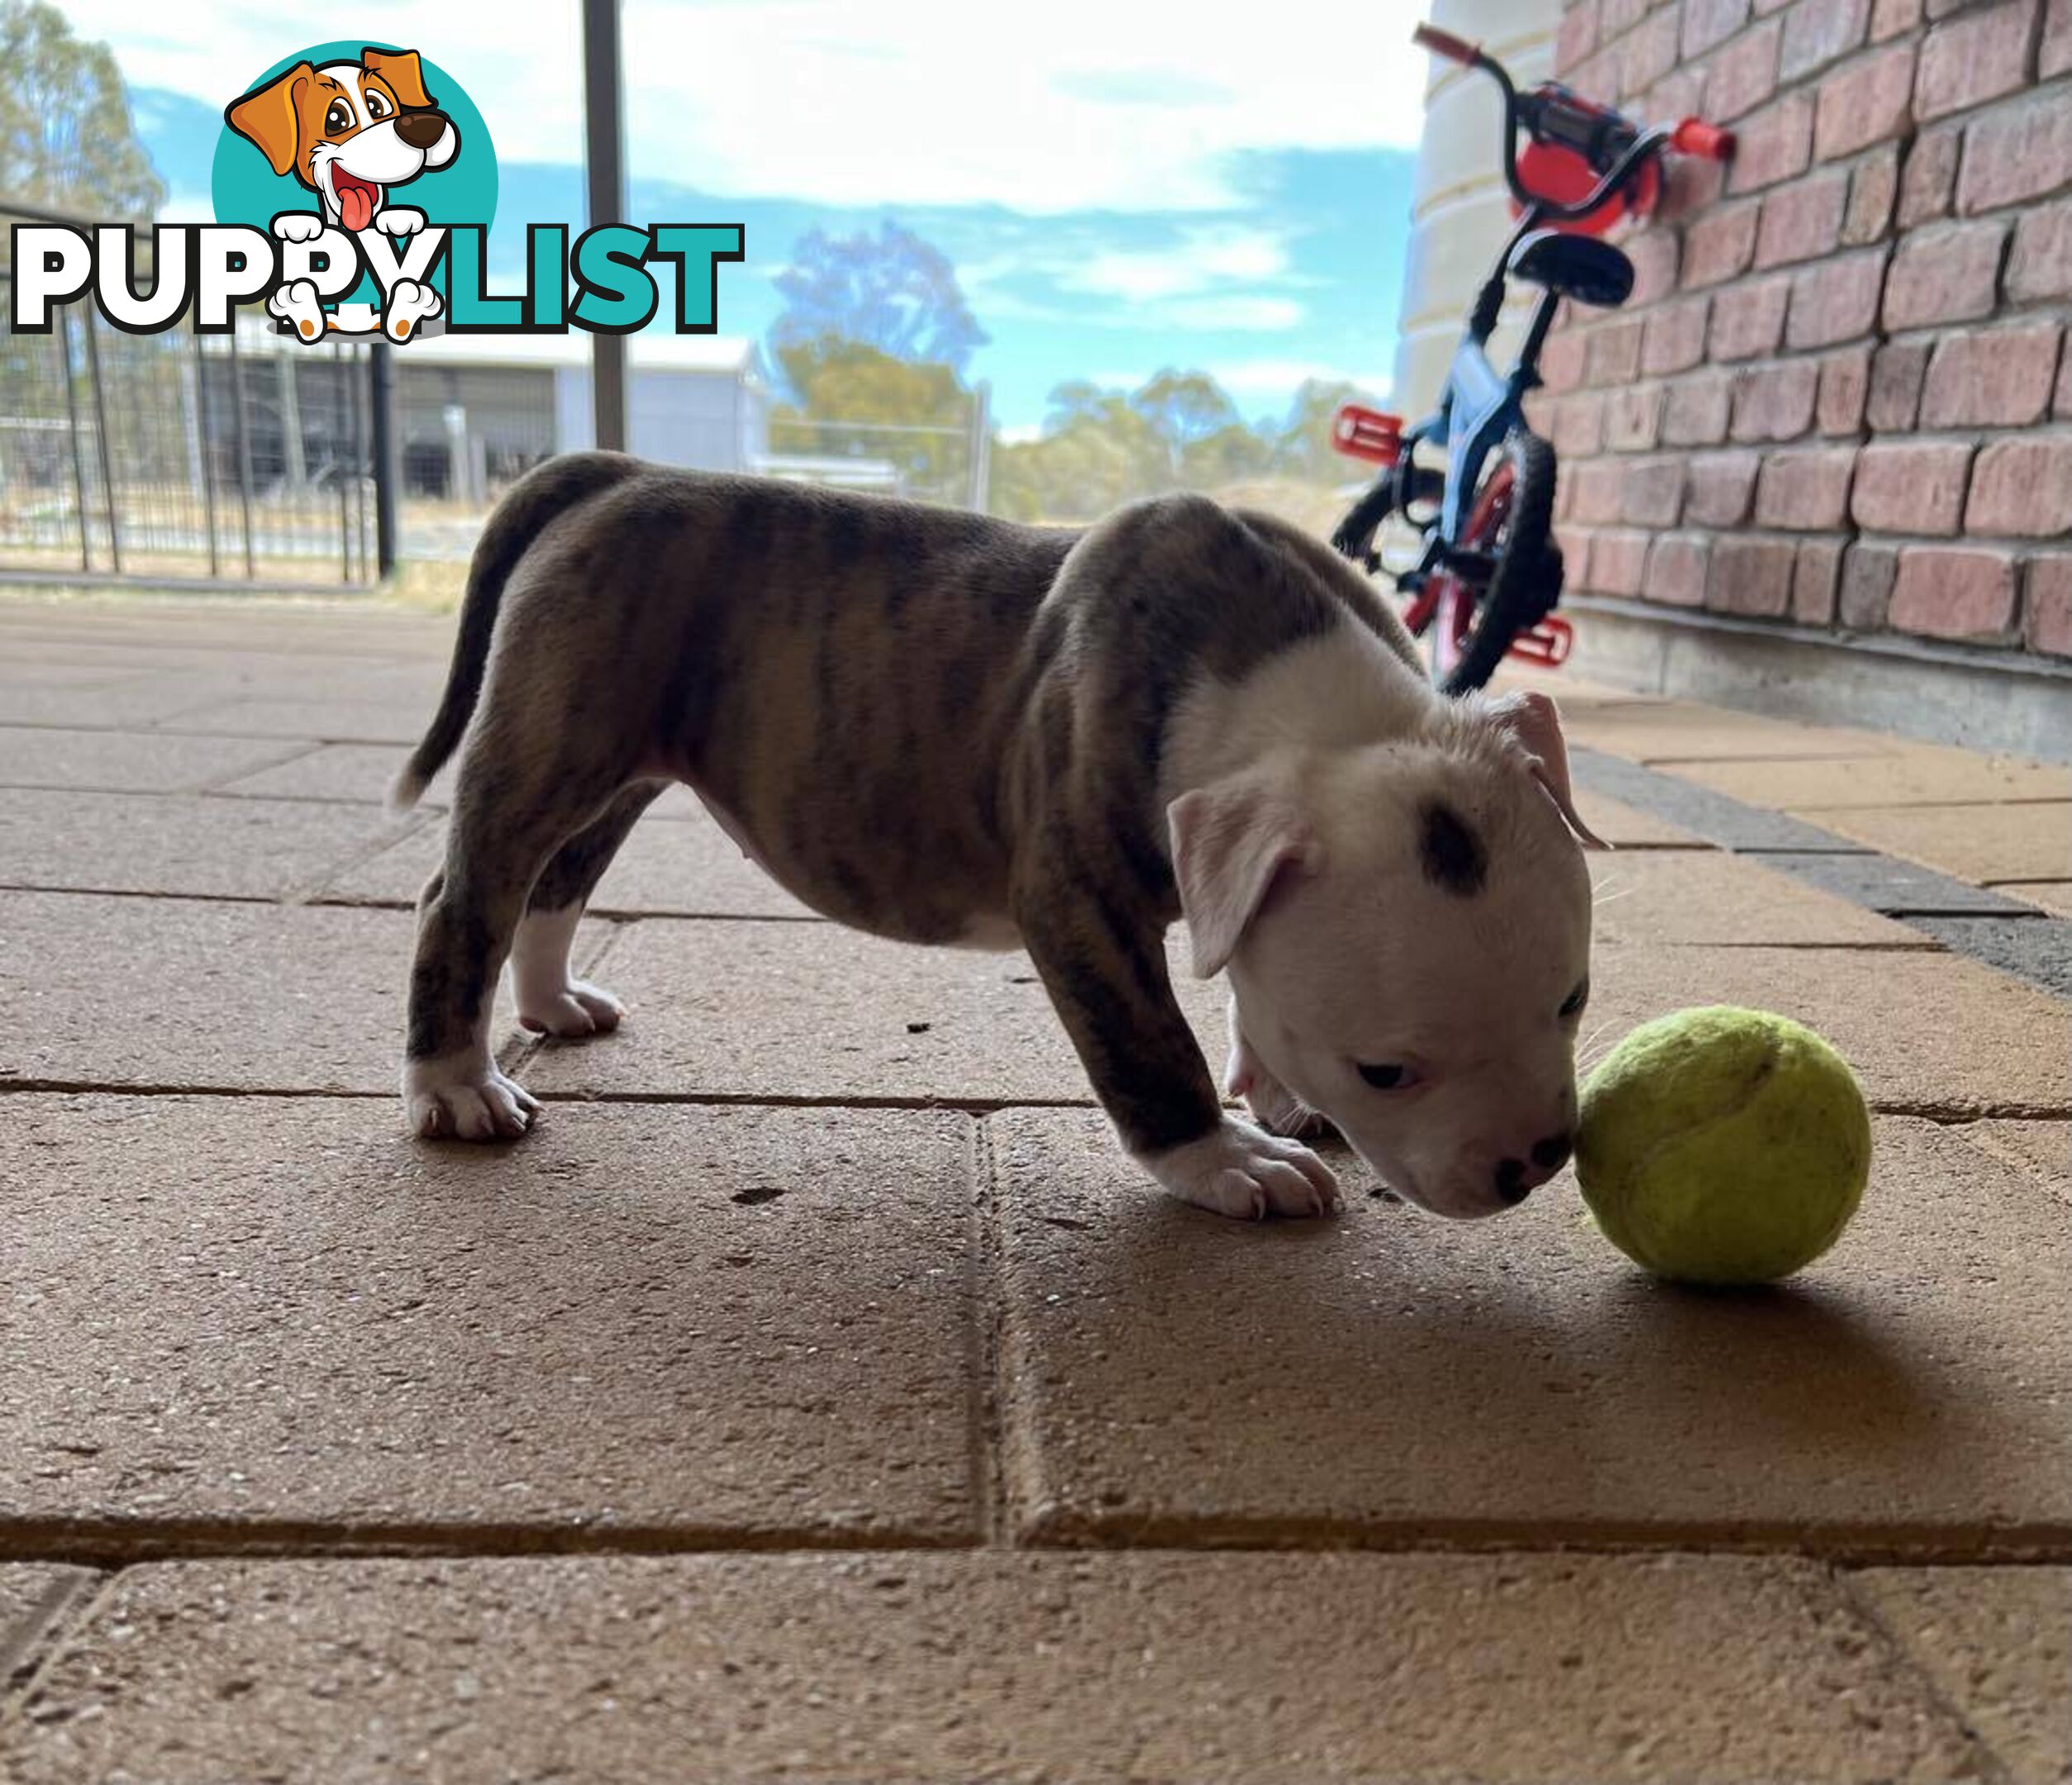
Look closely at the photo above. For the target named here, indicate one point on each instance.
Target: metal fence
(949, 463)
(179, 456)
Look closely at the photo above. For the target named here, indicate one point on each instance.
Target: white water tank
(1459, 207)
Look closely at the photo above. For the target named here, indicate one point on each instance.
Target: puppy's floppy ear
(1232, 841)
(267, 117)
(401, 69)
(1532, 718)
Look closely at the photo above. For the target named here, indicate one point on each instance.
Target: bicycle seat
(1581, 267)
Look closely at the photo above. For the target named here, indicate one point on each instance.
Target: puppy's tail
(535, 500)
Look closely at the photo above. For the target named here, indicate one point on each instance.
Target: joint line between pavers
(398, 830)
(1903, 1663)
(78, 1543)
(1791, 846)
(2046, 1545)
(210, 783)
(133, 892)
(69, 1606)
(989, 1304)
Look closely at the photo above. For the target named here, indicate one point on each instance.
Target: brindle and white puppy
(949, 729)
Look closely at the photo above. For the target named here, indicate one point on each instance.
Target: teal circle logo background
(244, 188)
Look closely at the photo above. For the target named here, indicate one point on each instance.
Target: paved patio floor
(817, 1394)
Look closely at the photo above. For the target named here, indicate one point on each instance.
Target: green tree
(848, 391)
(1232, 453)
(1184, 408)
(1302, 448)
(66, 140)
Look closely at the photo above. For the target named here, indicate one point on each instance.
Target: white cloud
(1205, 258)
(1085, 105)
(1243, 309)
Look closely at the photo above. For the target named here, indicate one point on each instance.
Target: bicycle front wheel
(1511, 524)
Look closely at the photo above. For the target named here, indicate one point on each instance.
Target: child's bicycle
(1490, 573)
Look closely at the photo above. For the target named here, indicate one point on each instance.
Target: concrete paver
(1673, 732)
(926, 1667)
(37, 756)
(362, 773)
(1687, 898)
(400, 721)
(688, 869)
(745, 1322)
(137, 699)
(2043, 1149)
(2053, 896)
(2036, 949)
(21, 671)
(794, 1010)
(359, 774)
(1170, 1378)
(2031, 841)
(1886, 883)
(1997, 1643)
(1627, 827)
(34, 1597)
(194, 992)
(183, 845)
(1915, 774)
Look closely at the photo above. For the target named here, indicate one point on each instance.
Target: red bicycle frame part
(1445, 594)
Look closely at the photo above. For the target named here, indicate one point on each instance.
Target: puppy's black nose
(1510, 1184)
(421, 130)
(1552, 1154)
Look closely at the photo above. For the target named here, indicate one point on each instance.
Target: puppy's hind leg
(551, 1001)
(513, 804)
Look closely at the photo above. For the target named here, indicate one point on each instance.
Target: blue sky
(1157, 189)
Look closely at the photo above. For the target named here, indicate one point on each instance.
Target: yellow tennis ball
(1723, 1145)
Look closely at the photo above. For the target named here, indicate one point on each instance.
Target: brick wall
(1840, 397)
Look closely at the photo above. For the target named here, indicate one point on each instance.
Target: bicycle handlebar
(1694, 137)
(1445, 44)
(1691, 137)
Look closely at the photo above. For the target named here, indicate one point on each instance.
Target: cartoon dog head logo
(350, 131)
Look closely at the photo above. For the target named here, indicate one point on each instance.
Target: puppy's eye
(377, 107)
(1572, 1005)
(338, 118)
(1390, 1078)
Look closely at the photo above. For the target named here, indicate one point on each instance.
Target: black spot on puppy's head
(1451, 854)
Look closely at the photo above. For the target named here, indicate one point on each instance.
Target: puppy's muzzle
(421, 130)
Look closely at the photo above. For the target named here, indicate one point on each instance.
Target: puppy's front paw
(465, 1098)
(399, 219)
(1239, 1171)
(299, 226)
(569, 1012)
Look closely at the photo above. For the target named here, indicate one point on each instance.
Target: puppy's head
(1407, 928)
(349, 130)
